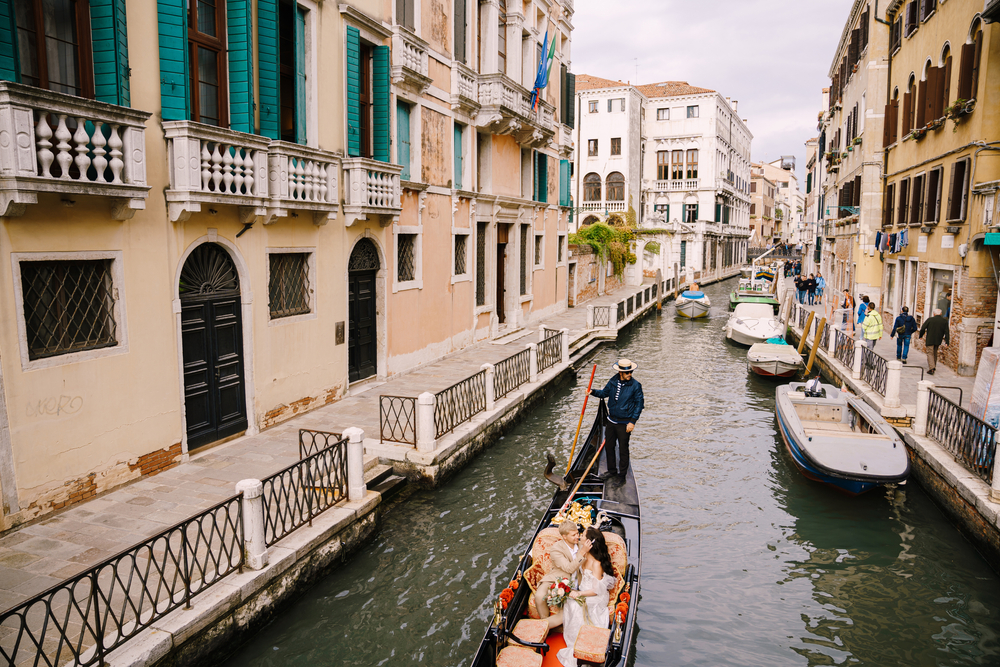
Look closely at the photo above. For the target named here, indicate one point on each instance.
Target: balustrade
(465, 88)
(302, 178)
(372, 188)
(410, 64)
(506, 109)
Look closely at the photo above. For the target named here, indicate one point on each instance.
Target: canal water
(745, 562)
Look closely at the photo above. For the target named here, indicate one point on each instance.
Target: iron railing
(656, 289)
(803, 316)
(550, 351)
(646, 297)
(621, 311)
(629, 306)
(511, 373)
(602, 317)
(293, 497)
(80, 620)
(397, 419)
(970, 440)
(824, 340)
(844, 350)
(874, 369)
(459, 403)
(311, 442)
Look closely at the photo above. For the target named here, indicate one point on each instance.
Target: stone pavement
(45, 553)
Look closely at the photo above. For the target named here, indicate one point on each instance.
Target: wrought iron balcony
(56, 143)
(302, 178)
(371, 188)
(410, 60)
(464, 89)
(212, 165)
(506, 109)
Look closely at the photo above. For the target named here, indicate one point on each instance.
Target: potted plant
(936, 124)
(919, 133)
(857, 141)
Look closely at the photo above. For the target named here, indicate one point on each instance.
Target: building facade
(762, 218)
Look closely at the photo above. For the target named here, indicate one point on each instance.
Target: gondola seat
(518, 656)
(592, 644)
(531, 630)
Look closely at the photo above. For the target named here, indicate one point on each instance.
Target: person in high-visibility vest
(872, 326)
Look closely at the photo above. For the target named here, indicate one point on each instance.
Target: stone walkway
(40, 555)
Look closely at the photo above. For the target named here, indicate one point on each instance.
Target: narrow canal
(745, 562)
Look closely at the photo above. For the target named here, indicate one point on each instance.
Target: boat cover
(777, 340)
(770, 352)
(688, 294)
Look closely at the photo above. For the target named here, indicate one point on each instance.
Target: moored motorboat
(752, 323)
(752, 290)
(837, 439)
(692, 304)
(516, 635)
(774, 359)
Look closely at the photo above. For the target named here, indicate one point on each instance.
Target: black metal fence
(293, 497)
(311, 442)
(621, 311)
(550, 351)
(458, 403)
(511, 373)
(874, 369)
(969, 439)
(397, 419)
(844, 350)
(82, 619)
(629, 305)
(656, 289)
(824, 340)
(602, 317)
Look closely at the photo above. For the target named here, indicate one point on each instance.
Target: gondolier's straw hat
(624, 366)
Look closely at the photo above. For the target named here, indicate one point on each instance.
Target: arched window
(970, 64)
(945, 79)
(591, 187)
(616, 186)
(908, 105)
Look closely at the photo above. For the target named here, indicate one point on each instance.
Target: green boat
(750, 290)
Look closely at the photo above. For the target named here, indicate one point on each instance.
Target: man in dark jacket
(625, 404)
(936, 328)
(904, 327)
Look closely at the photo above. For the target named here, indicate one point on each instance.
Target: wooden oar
(583, 477)
(590, 384)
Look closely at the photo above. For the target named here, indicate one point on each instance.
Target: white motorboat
(752, 323)
(774, 359)
(692, 304)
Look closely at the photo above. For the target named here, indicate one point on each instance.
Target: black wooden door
(362, 340)
(501, 280)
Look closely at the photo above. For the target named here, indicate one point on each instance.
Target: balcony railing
(464, 88)
(215, 166)
(666, 186)
(371, 188)
(410, 60)
(605, 206)
(302, 178)
(56, 143)
(506, 109)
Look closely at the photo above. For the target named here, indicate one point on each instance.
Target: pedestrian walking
(944, 302)
(902, 329)
(800, 289)
(848, 307)
(862, 312)
(872, 327)
(625, 403)
(811, 289)
(820, 286)
(936, 328)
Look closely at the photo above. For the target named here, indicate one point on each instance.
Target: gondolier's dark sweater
(625, 400)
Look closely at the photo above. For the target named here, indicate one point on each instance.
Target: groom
(567, 556)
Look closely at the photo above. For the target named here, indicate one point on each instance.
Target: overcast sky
(771, 55)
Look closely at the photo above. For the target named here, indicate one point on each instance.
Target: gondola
(512, 638)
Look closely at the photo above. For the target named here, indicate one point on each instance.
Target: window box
(303, 179)
(410, 60)
(371, 188)
(52, 146)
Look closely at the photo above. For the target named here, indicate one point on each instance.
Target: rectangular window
(616, 105)
(561, 249)
(753, 186)
(538, 249)
(662, 165)
(958, 193)
(917, 200)
(941, 283)
(481, 263)
(690, 213)
(403, 139)
(911, 18)
(663, 114)
(692, 111)
(524, 259)
(684, 254)
(692, 163)
(365, 101)
(502, 38)
(753, 209)
(888, 206)
(592, 106)
(677, 165)
(540, 183)
(461, 250)
(68, 306)
(933, 203)
(53, 39)
(405, 13)
(461, 28)
(288, 284)
(406, 257)
(291, 71)
(904, 194)
(592, 147)
(459, 156)
(207, 49)
(616, 146)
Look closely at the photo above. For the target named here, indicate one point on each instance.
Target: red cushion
(591, 644)
(519, 656)
(530, 630)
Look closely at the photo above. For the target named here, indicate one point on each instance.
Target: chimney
(735, 104)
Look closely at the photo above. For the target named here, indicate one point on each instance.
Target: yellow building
(942, 170)
(218, 216)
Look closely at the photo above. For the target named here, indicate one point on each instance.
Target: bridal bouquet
(559, 593)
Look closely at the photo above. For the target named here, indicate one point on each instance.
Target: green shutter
(666, 213)
(403, 139)
(109, 37)
(543, 178)
(172, 21)
(10, 69)
(353, 91)
(267, 55)
(380, 104)
(458, 156)
(571, 95)
(534, 176)
(718, 212)
(564, 193)
(300, 75)
(239, 30)
(696, 212)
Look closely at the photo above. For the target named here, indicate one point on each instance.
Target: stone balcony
(564, 141)
(604, 206)
(371, 190)
(212, 165)
(464, 89)
(506, 109)
(65, 145)
(301, 178)
(410, 65)
(677, 185)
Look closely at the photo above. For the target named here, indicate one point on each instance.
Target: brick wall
(587, 265)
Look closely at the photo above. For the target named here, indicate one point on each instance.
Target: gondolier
(625, 403)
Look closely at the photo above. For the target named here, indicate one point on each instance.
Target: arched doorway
(212, 344)
(362, 338)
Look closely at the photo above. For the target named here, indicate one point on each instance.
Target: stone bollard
(254, 545)
(356, 488)
(590, 316)
(490, 389)
(923, 409)
(425, 422)
(859, 346)
(832, 346)
(613, 316)
(532, 362)
(892, 383)
(565, 346)
(541, 333)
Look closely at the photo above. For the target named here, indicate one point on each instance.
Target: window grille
(538, 249)
(481, 264)
(406, 269)
(524, 259)
(288, 286)
(460, 242)
(68, 306)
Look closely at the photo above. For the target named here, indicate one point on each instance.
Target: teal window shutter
(543, 178)
(458, 156)
(109, 38)
(380, 104)
(172, 31)
(239, 29)
(718, 212)
(267, 64)
(353, 91)
(696, 211)
(564, 182)
(666, 213)
(534, 177)
(300, 75)
(10, 68)
(403, 139)
(571, 95)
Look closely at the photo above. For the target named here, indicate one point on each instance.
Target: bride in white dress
(596, 581)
